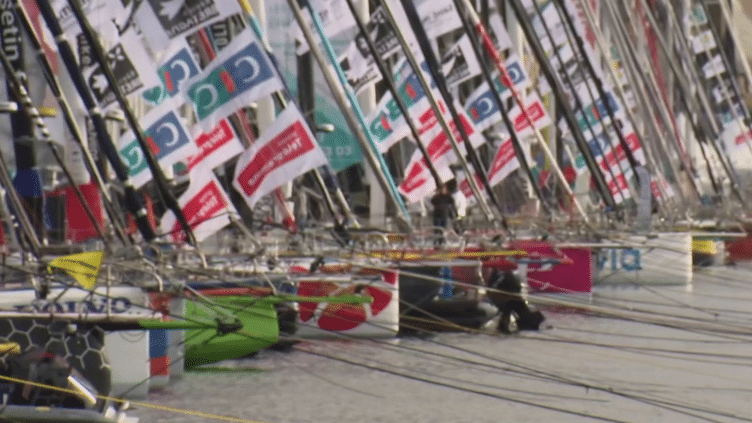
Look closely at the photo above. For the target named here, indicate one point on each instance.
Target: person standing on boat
(444, 210)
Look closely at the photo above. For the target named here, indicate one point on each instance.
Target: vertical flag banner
(359, 66)
(480, 104)
(334, 15)
(168, 139)
(130, 63)
(381, 33)
(176, 67)
(284, 151)
(215, 147)
(165, 20)
(206, 208)
(240, 74)
(504, 163)
(459, 63)
(439, 17)
(418, 182)
(105, 16)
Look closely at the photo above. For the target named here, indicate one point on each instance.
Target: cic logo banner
(232, 82)
(164, 137)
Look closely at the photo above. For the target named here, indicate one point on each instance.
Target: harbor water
(640, 354)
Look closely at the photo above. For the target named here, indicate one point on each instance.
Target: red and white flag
(284, 151)
(504, 163)
(419, 182)
(206, 208)
(215, 147)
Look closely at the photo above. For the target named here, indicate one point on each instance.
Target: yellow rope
(9, 348)
(136, 403)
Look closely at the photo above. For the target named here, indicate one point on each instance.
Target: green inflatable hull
(259, 328)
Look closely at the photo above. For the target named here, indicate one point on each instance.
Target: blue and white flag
(167, 137)
(240, 74)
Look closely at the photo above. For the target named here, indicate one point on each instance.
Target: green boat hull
(259, 329)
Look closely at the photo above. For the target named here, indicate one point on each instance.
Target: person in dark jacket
(444, 210)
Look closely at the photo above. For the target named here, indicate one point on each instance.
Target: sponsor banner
(381, 33)
(459, 63)
(165, 20)
(119, 299)
(176, 66)
(703, 42)
(130, 63)
(646, 260)
(284, 151)
(359, 66)
(105, 16)
(481, 106)
(334, 16)
(215, 147)
(240, 74)
(499, 33)
(168, 139)
(439, 17)
(206, 208)
(713, 67)
(418, 182)
(504, 163)
(655, 187)
(465, 188)
(387, 124)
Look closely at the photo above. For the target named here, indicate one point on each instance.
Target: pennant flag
(84, 267)
(167, 137)
(165, 20)
(240, 74)
(284, 151)
(205, 205)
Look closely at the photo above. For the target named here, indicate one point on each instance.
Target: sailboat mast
(133, 200)
(496, 97)
(367, 145)
(562, 106)
(35, 119)
(154, 167)
(440, 80)
(70, 121)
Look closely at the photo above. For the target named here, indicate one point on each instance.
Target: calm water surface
(684, 356)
